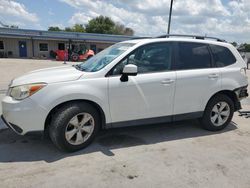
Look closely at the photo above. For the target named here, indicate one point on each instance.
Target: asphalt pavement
(179, 154)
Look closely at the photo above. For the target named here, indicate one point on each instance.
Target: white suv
(136, 82)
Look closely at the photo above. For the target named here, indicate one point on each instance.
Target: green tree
(129, 31)
(106, 25)
(14, 26)
(101, 24)
(78, 28)
(68, 29)
(51, 28)
(247, 47)
(75, 28)
(234, 44)
(244, 47)
(120, 29)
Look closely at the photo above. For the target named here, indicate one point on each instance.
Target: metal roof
(60, 35)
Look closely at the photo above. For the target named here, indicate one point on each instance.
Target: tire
(75, 57)
(215, 119)
(67, 120)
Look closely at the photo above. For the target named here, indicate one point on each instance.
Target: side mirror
(128, 70)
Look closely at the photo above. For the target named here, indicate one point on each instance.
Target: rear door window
(222, 56)
(192, 56)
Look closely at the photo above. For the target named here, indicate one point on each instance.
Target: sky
(226, 19)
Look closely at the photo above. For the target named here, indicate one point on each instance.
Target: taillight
(243, 71)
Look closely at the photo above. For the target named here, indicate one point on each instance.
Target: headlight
(24, 91)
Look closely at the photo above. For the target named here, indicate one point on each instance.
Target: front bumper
(23, 116)
(15, 128)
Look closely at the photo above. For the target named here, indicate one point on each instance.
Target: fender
(76, 90)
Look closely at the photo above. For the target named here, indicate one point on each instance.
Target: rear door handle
(214, 75)
(167, 81)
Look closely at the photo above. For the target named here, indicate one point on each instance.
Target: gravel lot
(167, 155)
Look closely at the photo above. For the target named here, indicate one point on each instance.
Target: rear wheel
(74, 126)
(218, 113)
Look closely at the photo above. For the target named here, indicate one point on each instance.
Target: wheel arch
(229, 93)
(94, 104)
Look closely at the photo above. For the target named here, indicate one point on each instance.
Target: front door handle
(167, 81)
(214, 75)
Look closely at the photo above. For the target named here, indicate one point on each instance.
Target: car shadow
(15, 148)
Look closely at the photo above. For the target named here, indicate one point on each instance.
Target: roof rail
(191, 36)
(135, 38)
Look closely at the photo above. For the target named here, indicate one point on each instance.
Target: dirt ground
(163, 155)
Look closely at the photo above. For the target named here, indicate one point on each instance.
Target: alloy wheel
(220, 113)
(79, 128)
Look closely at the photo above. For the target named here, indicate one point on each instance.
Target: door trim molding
(155, 120)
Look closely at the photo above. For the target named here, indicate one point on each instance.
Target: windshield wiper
(78, 67)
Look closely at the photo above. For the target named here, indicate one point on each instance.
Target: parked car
(136, 82)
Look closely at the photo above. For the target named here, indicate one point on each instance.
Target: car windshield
(105, 57)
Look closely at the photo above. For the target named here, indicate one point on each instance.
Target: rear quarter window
(222, 56)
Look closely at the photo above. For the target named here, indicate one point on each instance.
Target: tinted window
(192, 56)
(1, 45)
(222, 56)
(149, 58)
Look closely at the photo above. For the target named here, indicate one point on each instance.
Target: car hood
(49, 75)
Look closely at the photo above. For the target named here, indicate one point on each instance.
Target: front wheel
(74, 126)
(75, 57)
(218, 113)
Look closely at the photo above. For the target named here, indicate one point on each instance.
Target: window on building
(43, 47)
(192, 56)
(222, 56)
(1, 45)
(61, 46)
